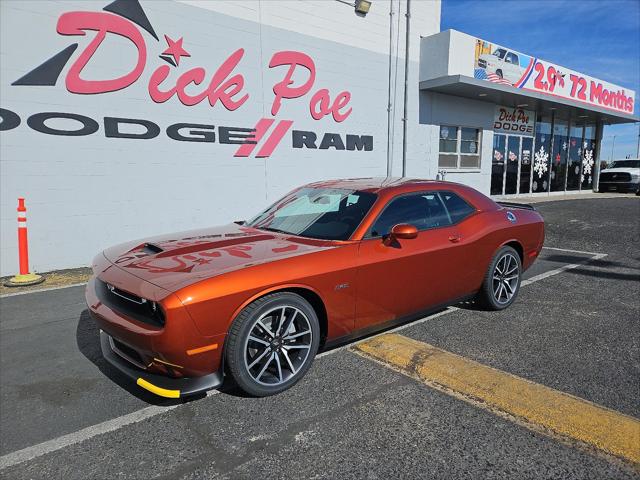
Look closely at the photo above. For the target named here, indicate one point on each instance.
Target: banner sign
(514, 121)
(505, 66)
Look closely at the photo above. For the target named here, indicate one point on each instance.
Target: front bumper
(158, 384)
(618, 186)
(171, 358)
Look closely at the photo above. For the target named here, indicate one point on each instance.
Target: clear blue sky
(596, 37)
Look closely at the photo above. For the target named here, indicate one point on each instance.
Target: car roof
(387, 187)
(379, 184)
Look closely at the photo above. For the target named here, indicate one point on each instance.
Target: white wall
(439, 109)
(447, 53)
(85, 193)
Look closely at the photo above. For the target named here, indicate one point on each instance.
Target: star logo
(175, 50)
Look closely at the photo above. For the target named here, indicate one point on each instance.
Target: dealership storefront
(122, 119)
(541, 123)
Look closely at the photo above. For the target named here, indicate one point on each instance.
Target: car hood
(175, 261)
(632, 171)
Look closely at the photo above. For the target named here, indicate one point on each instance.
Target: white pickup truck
(621, 176)
(503, 62)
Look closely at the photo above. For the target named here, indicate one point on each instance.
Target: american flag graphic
(492, 77)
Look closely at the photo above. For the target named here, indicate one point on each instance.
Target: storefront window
(497, 163)
(540, 182)
(512, 161)
(559, 154)
(574, 164)
(459, 147)
(588, 156)
(525, 164)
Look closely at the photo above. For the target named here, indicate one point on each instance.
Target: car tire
(268, 352)
(502, 281)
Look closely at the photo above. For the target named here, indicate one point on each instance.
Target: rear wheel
(502, 280)
(272, 343)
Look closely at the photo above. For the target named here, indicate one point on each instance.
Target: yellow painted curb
(564, 414)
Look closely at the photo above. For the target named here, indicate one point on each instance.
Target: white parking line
(29, 453)
(571, 251)
(48, 289)
(564, 268)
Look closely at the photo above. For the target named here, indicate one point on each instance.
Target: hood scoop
(151, 248)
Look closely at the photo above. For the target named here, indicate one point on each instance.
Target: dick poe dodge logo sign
(514, 121)
(173, 77)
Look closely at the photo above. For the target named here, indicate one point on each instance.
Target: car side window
(512, 58)
(458, 209)
(423, 211)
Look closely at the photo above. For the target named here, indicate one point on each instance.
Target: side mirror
(404, 231)
(401, 231)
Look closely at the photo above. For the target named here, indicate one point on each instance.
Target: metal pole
(390, 102)
(406, 90)
(596, 157)
(638, 149)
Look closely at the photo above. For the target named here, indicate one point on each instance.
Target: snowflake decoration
(497, 155)
(587, 162)
(540, 163)
(585, 145)
(564, 145)
(512, 156)
(579, 151)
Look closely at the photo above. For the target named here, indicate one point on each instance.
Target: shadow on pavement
(88, 341)
(628, 277)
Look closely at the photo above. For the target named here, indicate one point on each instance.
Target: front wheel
(272, 343)
(502, 280)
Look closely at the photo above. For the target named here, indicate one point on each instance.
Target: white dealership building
(122, 119)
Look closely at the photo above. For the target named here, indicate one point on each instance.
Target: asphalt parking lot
(66, 414)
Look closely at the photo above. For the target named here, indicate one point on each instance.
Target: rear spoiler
(522, 206)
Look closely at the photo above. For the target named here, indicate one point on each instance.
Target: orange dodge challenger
(328, 262)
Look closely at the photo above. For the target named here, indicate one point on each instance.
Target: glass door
(512, 161)
(559, 155)
(497, 164)
(574, 164)
(525, 164)
(588, 156)
(540, 181)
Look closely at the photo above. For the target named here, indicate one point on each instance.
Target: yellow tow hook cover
(163, 392)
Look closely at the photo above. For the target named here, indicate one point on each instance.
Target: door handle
(455, 238)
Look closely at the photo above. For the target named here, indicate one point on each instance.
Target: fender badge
(511, 217)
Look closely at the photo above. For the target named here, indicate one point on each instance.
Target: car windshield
(625, 164)
(500, 52)
(323, 213)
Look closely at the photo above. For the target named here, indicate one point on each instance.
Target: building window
(459, 147)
